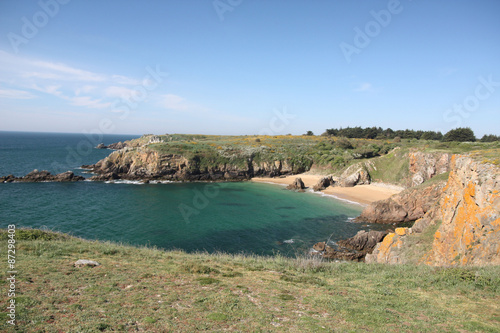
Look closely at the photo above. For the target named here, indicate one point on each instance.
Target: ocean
(241, 217)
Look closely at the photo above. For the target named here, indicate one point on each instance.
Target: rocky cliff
(462, 228)
(145, 163)
(408, 205)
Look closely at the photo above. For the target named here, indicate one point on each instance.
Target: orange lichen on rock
(468, 215)
(468, 235)
(401, 231)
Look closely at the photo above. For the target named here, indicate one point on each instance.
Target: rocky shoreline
(43, 176)
(459, 213)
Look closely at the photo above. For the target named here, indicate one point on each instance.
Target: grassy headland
(143, 289)
(325, 154)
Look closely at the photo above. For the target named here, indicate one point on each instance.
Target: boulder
(104, 177)
(342, 254)
(117, 145)
(323, 183)
(101, 146)
(363, 241)
(297, 185)
(320, 246)
(85, 262)
(67, 176)
(352, 249)
(7, 179)
(408, 205)
(354, 175)
(37, 176)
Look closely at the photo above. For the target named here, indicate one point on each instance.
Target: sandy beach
(362, 194)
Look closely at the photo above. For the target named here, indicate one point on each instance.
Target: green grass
(149, 290)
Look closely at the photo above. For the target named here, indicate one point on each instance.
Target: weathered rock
(43, 176)
(104, 177)
(297, 185)
(85, 262)
(117, 145)
(408, 205)
(319, 246)
(354, 175)
(464, 226)
(424, 166)
(101, 146)
(7, 179)
(323, 183)
(67, 176)
(37, 176)
(342, 254)
(363, 241)
(352, 249)
(141, 163)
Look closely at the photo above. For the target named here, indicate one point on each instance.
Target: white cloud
(79, 87)
(365, 86)
(89, 102)
(178, 103)
(85, 89)
(120, 92)
(15, 94)
(120, 79)
(174, 102)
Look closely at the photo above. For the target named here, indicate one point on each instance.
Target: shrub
(344, 143)
(460, 134)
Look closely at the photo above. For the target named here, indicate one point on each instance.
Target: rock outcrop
(424, 166)
(323, 183)
(351, 249)
(43, 176)
(463, 228)
(297, 185)
(356, 174)
(144, 163)
(408, 205)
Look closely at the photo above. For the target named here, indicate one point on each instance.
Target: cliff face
(463, 228)
(412, 203)
(408, 205)
(144, 163)
(424, 166)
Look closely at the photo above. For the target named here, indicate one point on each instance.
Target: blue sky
(248, 67)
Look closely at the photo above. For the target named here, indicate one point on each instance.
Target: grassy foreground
(143, 289)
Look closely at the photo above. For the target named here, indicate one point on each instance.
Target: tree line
(462, 134)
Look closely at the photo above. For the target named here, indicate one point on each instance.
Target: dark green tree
(461, 134)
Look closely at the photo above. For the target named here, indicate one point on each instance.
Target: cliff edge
(462, 228)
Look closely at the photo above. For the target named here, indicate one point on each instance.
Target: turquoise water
(231, 217)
